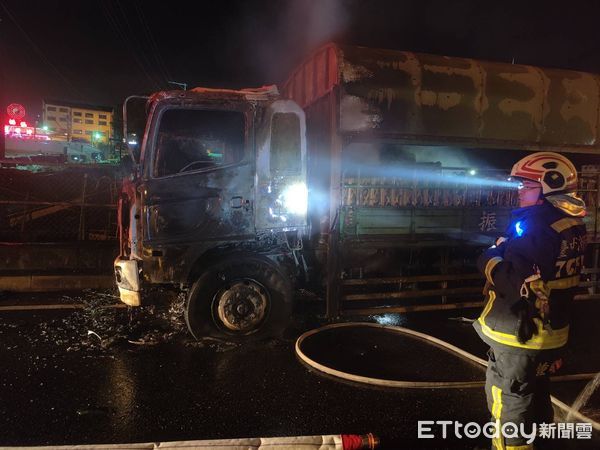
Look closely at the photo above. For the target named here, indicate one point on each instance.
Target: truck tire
(242, 297)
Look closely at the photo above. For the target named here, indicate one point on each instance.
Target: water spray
(432, 174)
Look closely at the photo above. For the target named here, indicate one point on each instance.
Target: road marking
(61, 306)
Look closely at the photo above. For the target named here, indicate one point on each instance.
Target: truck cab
(216, 205)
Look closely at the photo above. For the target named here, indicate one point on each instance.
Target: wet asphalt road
(139, 377)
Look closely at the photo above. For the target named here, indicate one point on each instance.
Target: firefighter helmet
(554, 171)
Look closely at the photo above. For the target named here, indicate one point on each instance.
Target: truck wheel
(241, 298)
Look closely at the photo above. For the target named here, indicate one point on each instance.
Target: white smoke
(299, 27)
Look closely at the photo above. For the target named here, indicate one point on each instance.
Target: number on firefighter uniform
(569, 267)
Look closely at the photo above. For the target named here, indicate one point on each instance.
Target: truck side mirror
(134, 124)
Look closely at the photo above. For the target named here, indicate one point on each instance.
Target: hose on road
(426, 384)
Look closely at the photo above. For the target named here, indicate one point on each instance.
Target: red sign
(15, 111)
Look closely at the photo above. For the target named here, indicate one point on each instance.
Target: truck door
(198, 183)
(282, 193)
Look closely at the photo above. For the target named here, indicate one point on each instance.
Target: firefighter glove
(526, 327)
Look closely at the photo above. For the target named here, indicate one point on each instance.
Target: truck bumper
(127, 275)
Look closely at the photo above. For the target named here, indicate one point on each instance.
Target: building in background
(27, 145)
(78, 122)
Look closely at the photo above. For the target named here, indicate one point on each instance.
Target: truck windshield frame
(239, 156)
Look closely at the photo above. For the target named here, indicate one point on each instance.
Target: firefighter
(532, 275)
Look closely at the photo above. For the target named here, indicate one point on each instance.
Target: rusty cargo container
(385, 128)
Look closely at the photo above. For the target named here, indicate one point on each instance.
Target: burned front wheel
(241, 297)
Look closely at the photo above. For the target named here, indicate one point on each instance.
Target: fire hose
(325, 442)
(426, 384)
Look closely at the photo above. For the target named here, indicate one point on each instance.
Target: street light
(95, 137)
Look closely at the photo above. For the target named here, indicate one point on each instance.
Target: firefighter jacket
(545, 245)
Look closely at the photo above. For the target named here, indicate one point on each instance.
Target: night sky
(100, 51)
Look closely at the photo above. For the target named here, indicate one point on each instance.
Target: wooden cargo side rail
(412, 294)
(407, 309)
(351, 312)
(411, 279)
(440, 292)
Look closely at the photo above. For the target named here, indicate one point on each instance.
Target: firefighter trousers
(517, 391)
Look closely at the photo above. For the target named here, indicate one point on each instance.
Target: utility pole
(2, 100)
(176, 83)
(2, 122)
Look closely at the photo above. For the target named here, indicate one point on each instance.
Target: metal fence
(59, 205)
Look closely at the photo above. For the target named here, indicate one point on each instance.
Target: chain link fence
(59, 205)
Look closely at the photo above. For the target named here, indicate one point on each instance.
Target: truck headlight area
(295, 199)
(127, 276)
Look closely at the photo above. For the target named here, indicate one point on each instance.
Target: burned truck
(378, 175)
(218, 204)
